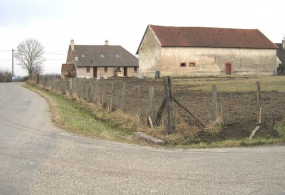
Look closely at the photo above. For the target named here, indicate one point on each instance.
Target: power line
(56, 59)
(55, 54)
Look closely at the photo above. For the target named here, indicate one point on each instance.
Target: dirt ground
(238, 110)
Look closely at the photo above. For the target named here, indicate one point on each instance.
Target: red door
(228, 69)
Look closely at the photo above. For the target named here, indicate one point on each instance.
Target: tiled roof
(67, 67)
(280, 52)
(211, 37)
(104, 56)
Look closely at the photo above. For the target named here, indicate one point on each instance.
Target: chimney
(72, 44)
(106, 42)
(283, 44)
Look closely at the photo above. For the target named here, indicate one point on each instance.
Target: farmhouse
(190, 51)
(100, 61)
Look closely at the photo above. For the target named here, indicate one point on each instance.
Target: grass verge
(87, 119)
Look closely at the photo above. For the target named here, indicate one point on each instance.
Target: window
(105, 69)
(117, 56)
(88, 69)
(83, 56)
(102, 55)
(135, 69)
(192, 64)
(183, 64)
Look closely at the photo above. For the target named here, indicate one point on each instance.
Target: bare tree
(5, 76)
(30, 55)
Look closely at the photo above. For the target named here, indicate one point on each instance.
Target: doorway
(228, 68)
(125, 71)
(95, 72)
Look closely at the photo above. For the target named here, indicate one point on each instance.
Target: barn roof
(104, 56)
(171, 36)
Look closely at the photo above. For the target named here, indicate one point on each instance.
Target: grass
(233, 83)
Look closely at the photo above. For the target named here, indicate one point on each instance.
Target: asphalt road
(38, 158)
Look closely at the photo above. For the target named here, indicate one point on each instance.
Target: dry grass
(233, 83)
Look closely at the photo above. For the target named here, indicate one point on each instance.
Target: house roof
(280, 52)
(171, 36)
(104, 56)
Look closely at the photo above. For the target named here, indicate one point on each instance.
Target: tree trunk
(30, 76)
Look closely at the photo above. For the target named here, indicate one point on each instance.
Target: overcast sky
(55, 22)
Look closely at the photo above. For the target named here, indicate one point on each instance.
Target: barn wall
(149, 54)
(211, 61)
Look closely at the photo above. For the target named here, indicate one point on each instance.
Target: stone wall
(82, 72)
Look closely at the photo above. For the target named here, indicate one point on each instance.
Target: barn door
(228, 68)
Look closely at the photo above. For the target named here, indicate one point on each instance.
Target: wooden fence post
(151, 102)
(89, 90)
(95, 92)
(104, 92)
(68, 85)
(168, 105)
(53, 84)
(72, 86)
(124, 95)
(112, 95)
(137, 100)
(98, 92)
(214, 103)
(63, 84)
(84, 91)
(78, 87)
(258, 102)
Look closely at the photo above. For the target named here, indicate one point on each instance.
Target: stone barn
(190, 51)
(94, 61)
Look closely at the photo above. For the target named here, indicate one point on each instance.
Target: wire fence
(143, 98)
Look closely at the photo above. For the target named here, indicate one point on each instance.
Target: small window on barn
(105, 69)
(102, 55)
(117, 56)
(87, 69)
(183, 64)
(192, 64)
(135, 69)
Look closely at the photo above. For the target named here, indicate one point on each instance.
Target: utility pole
(12, 64)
